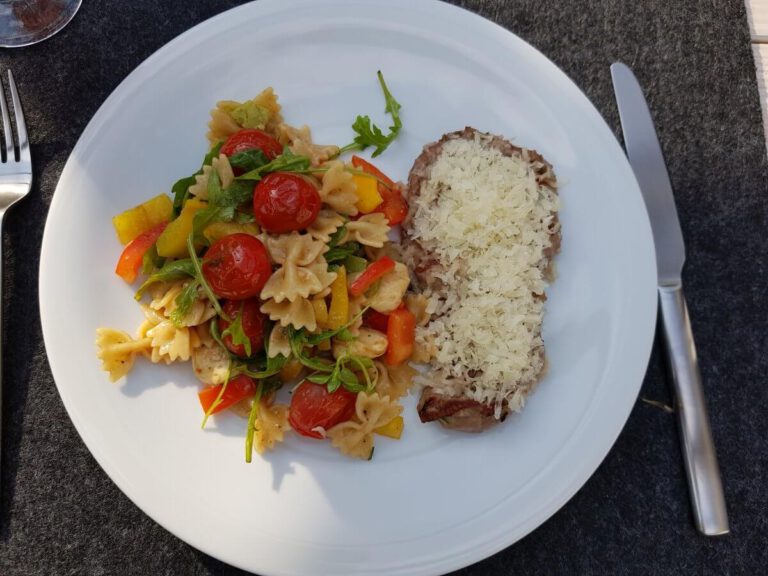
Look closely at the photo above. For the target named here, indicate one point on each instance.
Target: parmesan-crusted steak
(457, 410)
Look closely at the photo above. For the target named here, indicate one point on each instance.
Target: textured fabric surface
(60, 514)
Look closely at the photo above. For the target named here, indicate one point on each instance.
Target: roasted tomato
(252, 321)
(237, 267)
(250, 139)
(313, 407)
(284, 202)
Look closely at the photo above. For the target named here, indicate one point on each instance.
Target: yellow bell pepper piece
(220, 229)
(368, 197)
(172, 243)
(338, 314)
(321, 311)
(143, 217)
(392, 429)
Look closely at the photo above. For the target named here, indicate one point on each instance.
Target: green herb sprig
(368, 134)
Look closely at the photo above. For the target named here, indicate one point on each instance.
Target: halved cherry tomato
(237, 266)
(374, 271)
(238, 388)
(250, 139)
(312, 407)
(401, 333)
(376, 320)
(394, 206)
(284, 202)
(252, 322)
(130, 260)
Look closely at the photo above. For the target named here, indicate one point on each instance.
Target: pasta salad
(271, 268)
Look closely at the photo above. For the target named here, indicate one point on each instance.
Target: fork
(15, 182)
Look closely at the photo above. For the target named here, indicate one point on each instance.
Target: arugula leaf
(338, 254)
(286, 162)
(369, 134)
(184, 301)
(337, 236)
(151, 261)
(180, 188)
(222, 205)
(355, 264)
(298, 339)
(200, 278)
(244, 218)
(214, 187)
(251, 429)
(345, 335)
(249, 159)
(170, 271)
(319, 378)
(236, 332)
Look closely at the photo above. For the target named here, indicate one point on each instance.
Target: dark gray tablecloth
(61, 514)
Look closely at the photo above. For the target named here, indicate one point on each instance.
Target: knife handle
(704, 481)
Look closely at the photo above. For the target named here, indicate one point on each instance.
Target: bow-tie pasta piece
(301, 249)
(338, 189)
(369, 230)
(299, 313)
(211, 364)
(271, 425)
(299, 140)
(222, 167)
(117, 351)
(394, 381)
(278, 342)
(164, 301)
(262, 112)
(325, 225)
(355, 437)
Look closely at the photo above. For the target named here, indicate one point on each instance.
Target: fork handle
(704, 482)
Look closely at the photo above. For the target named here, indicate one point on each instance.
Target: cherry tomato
(252, 322)
(236, 266)
(284, 202)
(238, 388)
(250, 139)
(312, 407)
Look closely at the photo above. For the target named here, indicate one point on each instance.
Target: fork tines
(13, 150)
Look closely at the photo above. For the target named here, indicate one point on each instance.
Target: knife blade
(647, 161)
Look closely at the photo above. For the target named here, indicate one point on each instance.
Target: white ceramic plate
(434, 501)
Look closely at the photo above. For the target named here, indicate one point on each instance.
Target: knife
(647, 162)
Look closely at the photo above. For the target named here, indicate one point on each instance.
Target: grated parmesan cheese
(485, 219)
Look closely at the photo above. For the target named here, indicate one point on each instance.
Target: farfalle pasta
(260, 273)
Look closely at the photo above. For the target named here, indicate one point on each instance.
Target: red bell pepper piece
(401, 333)
(373, 272)
(394, 206)
(130, 260)
(238, 388)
